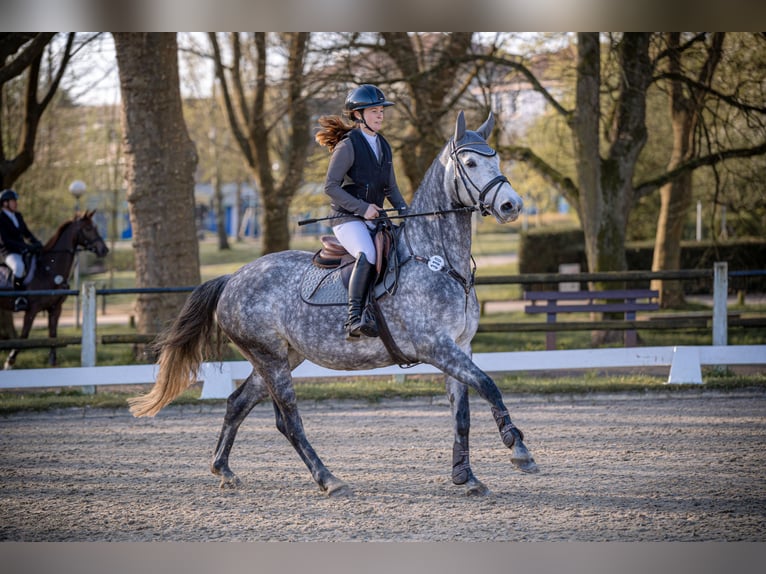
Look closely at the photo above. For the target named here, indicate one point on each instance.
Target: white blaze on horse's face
(478, 179)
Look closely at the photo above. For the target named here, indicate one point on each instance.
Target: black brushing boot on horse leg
(358, 322)
(21, 303)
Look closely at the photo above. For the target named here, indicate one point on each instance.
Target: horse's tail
(182, 348)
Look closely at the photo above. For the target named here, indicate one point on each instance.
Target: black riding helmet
(7, 195)
(365, 96)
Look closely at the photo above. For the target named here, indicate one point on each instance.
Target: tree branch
(236, 128)
(565, 185)
(649, 186)
(731, 100)
(25, 59)
(530, 77)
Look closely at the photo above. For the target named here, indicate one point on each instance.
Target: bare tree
(686, 107)
(257, 109)
(435, 77)
(20, 54)
(608, 135)
(160, 164)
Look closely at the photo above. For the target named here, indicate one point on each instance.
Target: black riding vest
(368, 178)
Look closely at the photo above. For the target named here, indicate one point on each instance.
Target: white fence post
(720, 296)
(88, 346)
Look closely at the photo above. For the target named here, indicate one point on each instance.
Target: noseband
(482, 149)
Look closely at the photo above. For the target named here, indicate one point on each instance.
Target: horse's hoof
(522, 459)
(477, 489)
(336, 487)
(528, 466)
(230, 482)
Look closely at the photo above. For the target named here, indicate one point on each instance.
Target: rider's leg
(355, 237)
(16, 263)
(362, 276)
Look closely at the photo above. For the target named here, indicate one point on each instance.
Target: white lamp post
(77, 189)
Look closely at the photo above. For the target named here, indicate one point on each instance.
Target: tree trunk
(676, 196)
(161, 160)
(606, 183)
(585, 122)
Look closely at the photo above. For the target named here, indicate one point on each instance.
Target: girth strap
(388, 340)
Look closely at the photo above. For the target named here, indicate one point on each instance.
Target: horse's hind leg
(461, 420)
(289, 423)
(26, 327)
(238, 406)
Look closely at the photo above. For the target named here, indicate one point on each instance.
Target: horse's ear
(89, 214)
(486, 128)
(459, 126)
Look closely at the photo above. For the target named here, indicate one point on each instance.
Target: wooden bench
(627, 301)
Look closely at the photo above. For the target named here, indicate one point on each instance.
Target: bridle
(87, 243)
(81, 243)
(495, 183)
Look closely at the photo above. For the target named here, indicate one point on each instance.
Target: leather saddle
(332, 254)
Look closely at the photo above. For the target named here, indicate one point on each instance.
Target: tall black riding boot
(20, 303)
(361, 277)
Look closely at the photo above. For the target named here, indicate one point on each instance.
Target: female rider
(360, 176)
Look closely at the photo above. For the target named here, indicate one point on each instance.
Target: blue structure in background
(247, 221)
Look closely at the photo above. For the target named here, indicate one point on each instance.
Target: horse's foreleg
(289, 423)
(238, 406)
(54, 314)
(461, 419)
(457, 364)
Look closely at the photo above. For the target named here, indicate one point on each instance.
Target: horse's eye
(470, 163)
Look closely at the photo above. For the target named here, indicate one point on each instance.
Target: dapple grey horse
(432, 317)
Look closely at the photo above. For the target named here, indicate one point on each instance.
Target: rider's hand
(371, 212)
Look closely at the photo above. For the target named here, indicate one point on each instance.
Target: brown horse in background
(51, 269)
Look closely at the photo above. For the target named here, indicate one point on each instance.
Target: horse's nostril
(507, 207)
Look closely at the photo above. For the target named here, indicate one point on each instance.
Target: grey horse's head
(476, 172)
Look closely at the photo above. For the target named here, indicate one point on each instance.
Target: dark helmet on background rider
(365, 96)
(8, 194)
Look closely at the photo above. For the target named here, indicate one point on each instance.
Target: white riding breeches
(16, 264)
(355, 237)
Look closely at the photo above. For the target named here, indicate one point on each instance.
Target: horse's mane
(433, 176)
(57, 235)
(333, 130)
(54, 239)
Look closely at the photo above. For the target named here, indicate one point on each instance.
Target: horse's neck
(448, 235)
(59, 259)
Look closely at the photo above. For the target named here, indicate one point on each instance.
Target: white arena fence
(220, 379)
